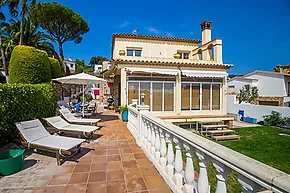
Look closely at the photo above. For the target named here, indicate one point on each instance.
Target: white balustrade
(157, 145)
(163, 149)
(178, 164)
(170, 157)
(158, 139)
(189, 170)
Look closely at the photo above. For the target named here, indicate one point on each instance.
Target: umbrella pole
(83, 99)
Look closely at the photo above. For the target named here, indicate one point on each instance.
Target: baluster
(145, 132)
(189, 170)
(222, 176)
(178, 164)
(157, 144)
(162, 149)
(248, 185)
(149, 136)
(170, 157)
(202, 184)
(153, 140)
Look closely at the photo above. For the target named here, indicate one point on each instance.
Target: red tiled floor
(55, 189)
(78, 178)
(116, 187)
(117, 165)
(99, 159)
(114, 165)
(97, 176)
(115, 175)
(135, 184)
(98, 167)
(60, 179)
(97, 187)
(76, 188)
(82, 167)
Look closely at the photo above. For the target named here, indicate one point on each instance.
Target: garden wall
(255, 111)
(21, 102)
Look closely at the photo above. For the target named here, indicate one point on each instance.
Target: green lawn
(265, 145)
(261, 143)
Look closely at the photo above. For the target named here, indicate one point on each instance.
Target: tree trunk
(66, 71)
(21, 25)
(4, 59)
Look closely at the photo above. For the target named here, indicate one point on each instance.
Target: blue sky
(255, 33)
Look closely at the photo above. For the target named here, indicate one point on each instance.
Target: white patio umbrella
(82, 78)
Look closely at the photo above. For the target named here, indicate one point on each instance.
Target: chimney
(206, 31)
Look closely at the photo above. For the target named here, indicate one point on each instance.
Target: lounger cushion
(32, 130)
(58, 142)
(71, 118)
(62, 125)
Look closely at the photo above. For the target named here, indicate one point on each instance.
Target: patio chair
(72, 119)
(36, 136)
(64, 127)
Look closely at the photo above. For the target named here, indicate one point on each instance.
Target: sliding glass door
(200, 96)
(159, 95)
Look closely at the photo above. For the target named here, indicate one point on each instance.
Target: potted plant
(124, 112)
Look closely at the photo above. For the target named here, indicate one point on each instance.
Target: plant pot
(11, 161)
(176, 56)
(124, 116)
(250, 120)
(122, 52)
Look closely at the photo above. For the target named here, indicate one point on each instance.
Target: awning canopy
(204, 74)
(154, 70)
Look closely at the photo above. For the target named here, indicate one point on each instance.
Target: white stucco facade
(70, 63)
(269, 84)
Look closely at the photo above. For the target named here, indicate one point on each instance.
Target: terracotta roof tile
(174, 63)
(160, 38)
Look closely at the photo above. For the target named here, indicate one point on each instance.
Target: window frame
(182, 54)
(134, 51)
(151, 93)
(200, 96)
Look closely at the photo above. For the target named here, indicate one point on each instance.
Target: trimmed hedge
(21, 102)
(29, 65)
(56, 70)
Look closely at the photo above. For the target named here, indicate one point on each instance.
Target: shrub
(29, 65)
(55, 67)
(275, 119)
(21, 102)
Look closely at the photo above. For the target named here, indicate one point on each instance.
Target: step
(215, 126)
(210, 122)
(226, 137)
(221, 132)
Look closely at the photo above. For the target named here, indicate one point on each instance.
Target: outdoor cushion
(61, 124)
(71, 118)
(34, 132)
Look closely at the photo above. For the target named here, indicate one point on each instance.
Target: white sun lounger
(62, 126)
(72, 119)
(36, 136)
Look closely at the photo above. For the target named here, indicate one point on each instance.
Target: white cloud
(153, 30)
(124, 24)
(169, 34)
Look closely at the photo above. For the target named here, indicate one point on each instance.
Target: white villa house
(274, 87)
(179, 76)
(70, 63)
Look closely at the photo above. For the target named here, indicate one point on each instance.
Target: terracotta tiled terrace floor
(113, 163)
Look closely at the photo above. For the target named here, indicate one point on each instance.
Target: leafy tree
(13, 5)
(61, 22)
(248, 94)
(31, 37)
(82, 67)
(97, 60)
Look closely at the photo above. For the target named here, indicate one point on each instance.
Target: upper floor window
(231, 86)
(71, 65)
(183, 55)
(134, 52)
